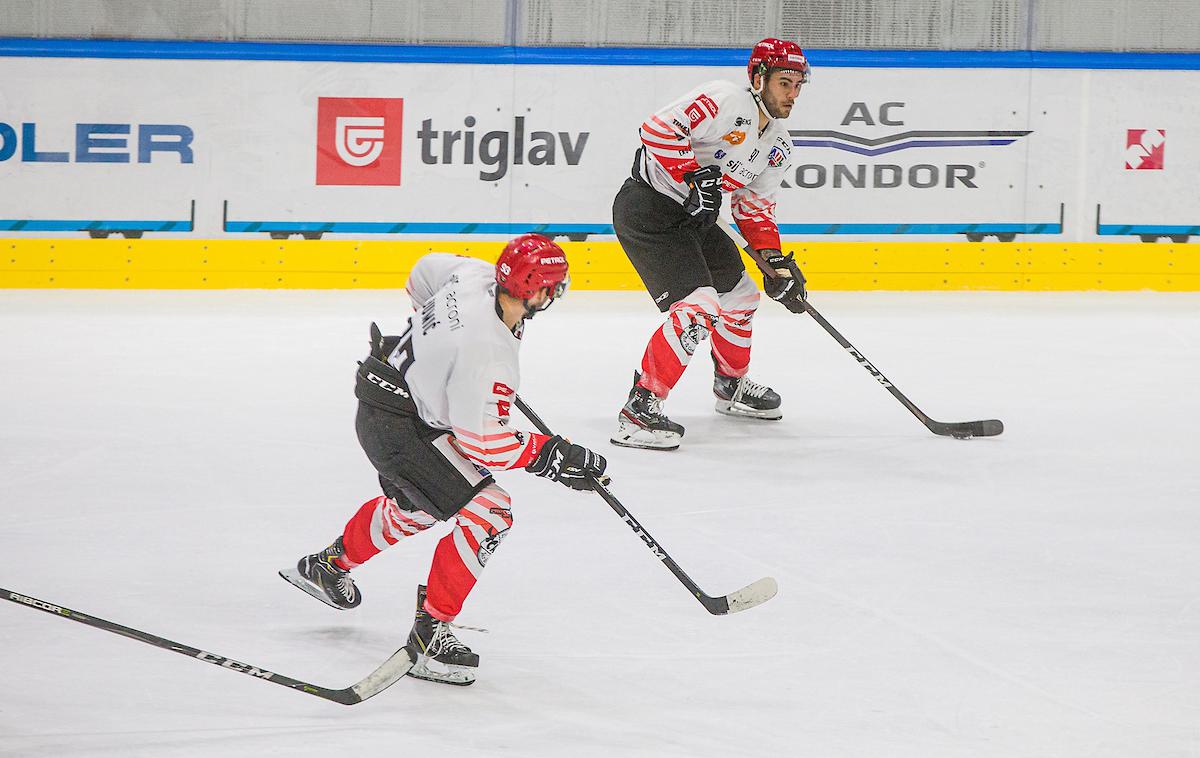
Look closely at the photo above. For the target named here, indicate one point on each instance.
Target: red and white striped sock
(462, 554)
(731, 337)
(671, 346)
(375, 527)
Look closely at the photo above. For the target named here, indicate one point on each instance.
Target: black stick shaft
(715, 605)
(346, 697)
(862, 360)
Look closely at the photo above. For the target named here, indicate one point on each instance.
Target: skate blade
(293, 577)
(629, 435)
(432, 671)
(738, 410)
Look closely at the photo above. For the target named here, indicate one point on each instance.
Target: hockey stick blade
(391, 671)
(755, 593)
(965, 430)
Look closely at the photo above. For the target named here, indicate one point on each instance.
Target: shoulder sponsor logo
(742, 121)
(1145, 149)
(736, 137)
(359, 140)
(700, 108)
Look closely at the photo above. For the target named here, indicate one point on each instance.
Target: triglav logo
(1145, 149)
(359, 140)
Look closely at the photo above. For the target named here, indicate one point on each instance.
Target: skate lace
(749, 387)
(345, 585)
(654, 405)
(444, 641)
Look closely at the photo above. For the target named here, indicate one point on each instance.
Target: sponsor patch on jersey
(700, 109)
(736, 137)
(719, 155)
(742, 121)
(775, 158)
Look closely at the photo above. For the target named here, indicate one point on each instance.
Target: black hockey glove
(787, 286)
(703, 202)
(565, 463)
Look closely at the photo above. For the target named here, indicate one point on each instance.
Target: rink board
(327, 264)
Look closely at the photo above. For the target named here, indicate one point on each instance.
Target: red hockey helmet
(531, 263)
(777, 54)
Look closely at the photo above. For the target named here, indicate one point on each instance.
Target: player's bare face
(780, 92)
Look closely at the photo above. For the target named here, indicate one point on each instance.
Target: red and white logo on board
(359, 140)
(1145, 148)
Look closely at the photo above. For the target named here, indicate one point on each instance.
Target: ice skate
(642, 423)
(439, 656)
(748, 399)
(328, 582)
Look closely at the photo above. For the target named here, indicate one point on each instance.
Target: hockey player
(720, 138)
(433, 418)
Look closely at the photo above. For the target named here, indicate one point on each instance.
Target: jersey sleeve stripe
(669, 134)
(661, 146)
(492, 450)
(664, 125)
(460, 432)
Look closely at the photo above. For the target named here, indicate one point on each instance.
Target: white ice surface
(163, 454)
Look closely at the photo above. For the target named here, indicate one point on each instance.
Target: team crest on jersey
(775, 158)
(736, 137)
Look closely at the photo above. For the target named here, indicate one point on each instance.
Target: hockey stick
(749, 596)
(962, 430)
(392, 670)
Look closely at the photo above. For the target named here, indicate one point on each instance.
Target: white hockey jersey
(461, 362)
(716, 124)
